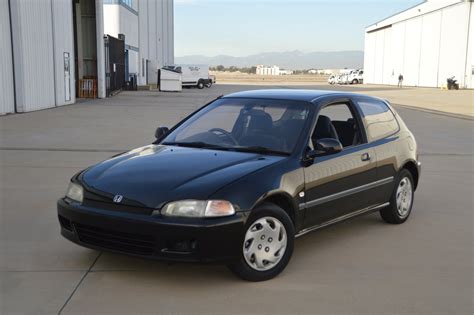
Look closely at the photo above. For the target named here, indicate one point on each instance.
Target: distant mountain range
(294, 60)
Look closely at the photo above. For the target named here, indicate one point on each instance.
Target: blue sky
(245, 27)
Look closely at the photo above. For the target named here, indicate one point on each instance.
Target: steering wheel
(225, 133)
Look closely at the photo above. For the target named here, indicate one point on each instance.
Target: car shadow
(309, 250)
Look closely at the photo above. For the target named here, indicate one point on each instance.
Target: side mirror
(161, 132)
(324, 146)
(328, 146)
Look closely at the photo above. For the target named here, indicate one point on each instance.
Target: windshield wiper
(259, 149)
(204, 145)
(196, 144)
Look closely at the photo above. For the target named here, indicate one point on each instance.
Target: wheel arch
(413, 169)
(284, 201)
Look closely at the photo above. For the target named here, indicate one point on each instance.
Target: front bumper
(176, 239)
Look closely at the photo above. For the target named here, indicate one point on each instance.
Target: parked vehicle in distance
(212, 80)
(240, 178)
(192, 75)
(332, 79)
(452, 83)
(356, 77)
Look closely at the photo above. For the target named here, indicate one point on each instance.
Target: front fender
(281, 179)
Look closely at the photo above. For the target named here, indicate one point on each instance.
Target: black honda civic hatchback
(239, 179)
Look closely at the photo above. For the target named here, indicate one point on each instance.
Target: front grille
(99, 204)
(119, 241)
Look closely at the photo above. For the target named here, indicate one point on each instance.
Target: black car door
(382, 133)
(339, 184)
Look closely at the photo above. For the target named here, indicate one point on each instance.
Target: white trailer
(169, 80)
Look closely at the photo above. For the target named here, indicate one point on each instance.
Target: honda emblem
(118, 198)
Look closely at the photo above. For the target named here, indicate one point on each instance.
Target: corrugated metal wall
(7, 100)
(42, 34)
(426, 49)
(431, 29)
(470, 52)
(63, 39)
(156, 37)
(453, 43)
(33, 50)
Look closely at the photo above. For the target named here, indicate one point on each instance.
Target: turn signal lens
(219, 208)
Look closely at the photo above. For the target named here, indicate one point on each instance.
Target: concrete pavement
(454, 103)
(361, 266)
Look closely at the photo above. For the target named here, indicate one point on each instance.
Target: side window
(379, 119)
(336, 121)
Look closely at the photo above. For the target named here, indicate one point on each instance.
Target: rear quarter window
(379, 119)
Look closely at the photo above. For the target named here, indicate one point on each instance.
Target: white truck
(192, 75)
(355, 76)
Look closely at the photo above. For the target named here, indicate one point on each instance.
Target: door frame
(364, 145)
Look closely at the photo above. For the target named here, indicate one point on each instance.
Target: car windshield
(252, 125)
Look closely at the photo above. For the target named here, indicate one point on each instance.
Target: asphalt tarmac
(360, 266)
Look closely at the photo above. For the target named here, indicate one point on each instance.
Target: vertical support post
(99, 16)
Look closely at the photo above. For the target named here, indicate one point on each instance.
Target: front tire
(267, 244)
(401, 201)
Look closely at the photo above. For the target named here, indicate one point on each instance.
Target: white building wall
(369, 57)
(128, 26)
(431, 30)
(379, 55)
(156, 38)
(41, 34)
(34, 77)
(453, 43)
(397, 51)
(411, 58)
(470, 50)
(427, 44)
(143, 34)
(7, 98)
(118, 19)
(387, 71)
(34, 68)
(63, 43)
(112, 19)
(99, 15)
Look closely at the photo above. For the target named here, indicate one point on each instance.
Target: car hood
(156, 174)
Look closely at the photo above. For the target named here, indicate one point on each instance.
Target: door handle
(365, 157)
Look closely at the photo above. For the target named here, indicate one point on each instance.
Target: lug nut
(270, 240)
(267, 249)
(262, 237)
(260, 246)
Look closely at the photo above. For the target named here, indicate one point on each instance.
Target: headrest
(260, 120)
(324, 128)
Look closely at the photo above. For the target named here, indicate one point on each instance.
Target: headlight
(75, 192)
(198, 208)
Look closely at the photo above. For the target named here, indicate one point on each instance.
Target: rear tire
(401, 201)
(267, 244)
(200, 85)
(354, 81)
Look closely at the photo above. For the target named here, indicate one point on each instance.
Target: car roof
(288, 94)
